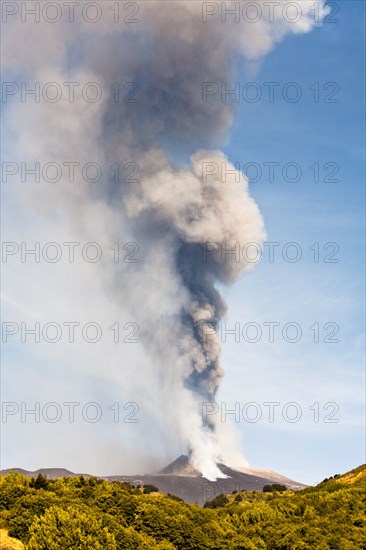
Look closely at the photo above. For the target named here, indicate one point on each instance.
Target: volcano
(179, 478)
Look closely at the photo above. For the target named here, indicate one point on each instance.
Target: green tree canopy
(70, 529)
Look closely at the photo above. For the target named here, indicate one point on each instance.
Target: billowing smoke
(194, 221)
(154, 115)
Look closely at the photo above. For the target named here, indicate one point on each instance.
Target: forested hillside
(91, 514)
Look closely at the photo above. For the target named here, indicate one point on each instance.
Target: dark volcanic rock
(181, 479)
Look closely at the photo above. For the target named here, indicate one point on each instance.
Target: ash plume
(176, 214)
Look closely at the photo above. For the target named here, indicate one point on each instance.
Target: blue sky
(306, 212)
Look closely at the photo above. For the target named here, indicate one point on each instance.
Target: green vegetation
(217, 502)
(150, 489)
(91, 514)
(274, 487)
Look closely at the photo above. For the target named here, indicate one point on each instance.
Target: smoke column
(182, 214)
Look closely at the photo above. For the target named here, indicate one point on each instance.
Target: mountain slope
(91, 513)
(180, 479)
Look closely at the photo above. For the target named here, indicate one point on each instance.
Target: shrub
(59, 529)
(217, 502)
(274, 487)
(150, 489)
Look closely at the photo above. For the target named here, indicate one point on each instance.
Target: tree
(216, 502)
(150, 489)
(12, 487)
(22, 514)
(39, 483)
(274, 487)
(74, 527)
(77, 514)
